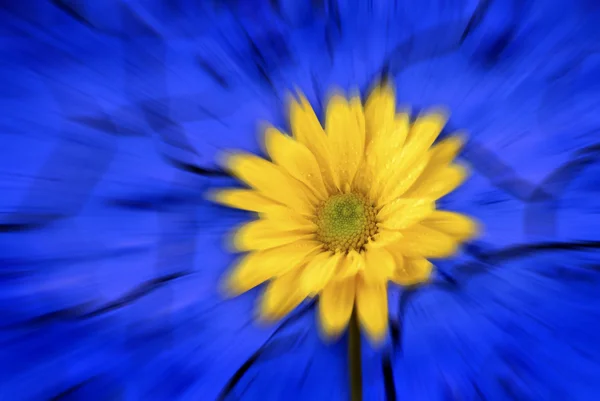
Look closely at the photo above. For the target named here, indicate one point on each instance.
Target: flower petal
(319, 271)
(335, 306)
(264, 234)
(307, 130)
(372, 309)
(345, 136)
(445, 151)
(285, 219)
(282, 295)
(408, 165)
(455, 224)
(296, 159)
(258, 267)
(385, 237)
(385, 151)
(437, 182)
(410, 271)
(270, 181)
(379, 265)
(350, 265)
(380, 110)
(245, 199)
(420, 240)
(357, 110)
(397, 184)
(424, 131)
(404, 212)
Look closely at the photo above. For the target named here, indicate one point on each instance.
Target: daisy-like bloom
(345, 209)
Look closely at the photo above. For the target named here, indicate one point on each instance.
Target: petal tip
(329, 334)
(213, 195)
(440, 113)
(228, 288)
(235, 241)
(227, 159)
(297, 101)
(475, 230)
(336, 98)
(384, 87)
(463, 171)
(460, 137)
(265, 315)
(376, 337)
(267, 137)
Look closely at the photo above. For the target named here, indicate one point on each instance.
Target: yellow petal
(358, 112)
(245, 199)
(335, 306)
(319, 271)
(423, 132)
(282, 295)
(435, 183)
(265, 234)
(420, 240)
(385, 151)
(379, 265)
(258, 267)
(412, 271)
(307, 130)
(379, 113)
(270, 181)
(446, 150)
(287, 219)
(295, 159)
(363, 180)
(401, 180)
(385, 237)
(439, 172)
(345, 137)
(404, 212)
(456, 225)
(350, 265)
(372, 309)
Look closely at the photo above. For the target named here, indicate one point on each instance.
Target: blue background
(112, 114)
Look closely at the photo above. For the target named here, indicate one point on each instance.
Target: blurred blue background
(111, 116)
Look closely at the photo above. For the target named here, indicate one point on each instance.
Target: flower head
(345, 209)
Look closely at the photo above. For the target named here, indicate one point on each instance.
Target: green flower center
(345, 222)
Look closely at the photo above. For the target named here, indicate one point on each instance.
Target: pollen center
(345, 222)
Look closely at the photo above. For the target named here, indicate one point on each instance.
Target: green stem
(354, 357)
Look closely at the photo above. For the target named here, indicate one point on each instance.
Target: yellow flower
(345, 209)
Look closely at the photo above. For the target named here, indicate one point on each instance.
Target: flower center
(346, 221)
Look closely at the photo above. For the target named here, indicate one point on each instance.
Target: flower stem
(354, 357)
